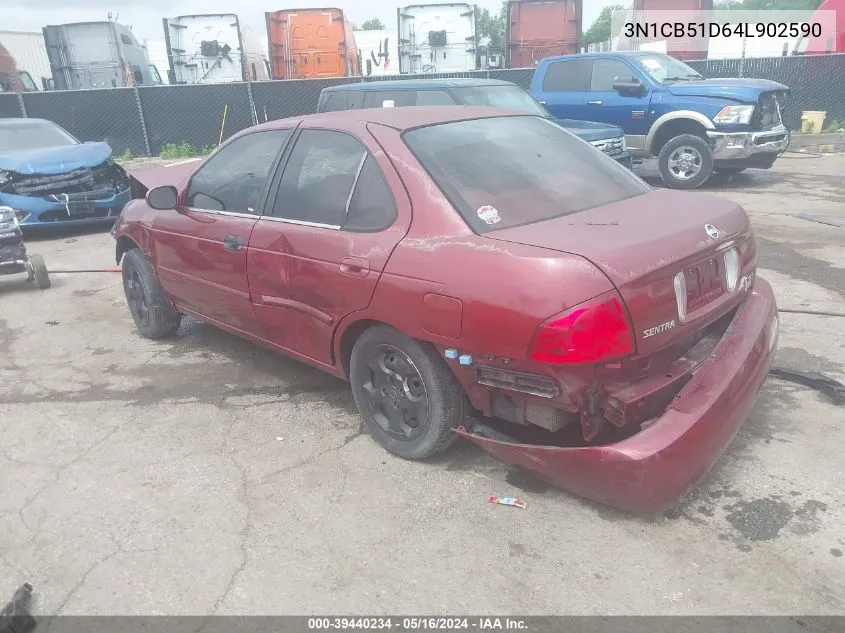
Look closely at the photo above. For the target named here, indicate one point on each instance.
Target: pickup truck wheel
(153, 314)
(406, 393)
(685, 162)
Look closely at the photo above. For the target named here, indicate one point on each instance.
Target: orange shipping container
(311, 43)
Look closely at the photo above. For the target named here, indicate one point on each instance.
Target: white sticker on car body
(489, 214)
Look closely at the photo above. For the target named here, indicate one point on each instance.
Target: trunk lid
(642, 243)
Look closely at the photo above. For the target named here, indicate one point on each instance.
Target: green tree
(372, 25)
(599, 31)
(492, 25)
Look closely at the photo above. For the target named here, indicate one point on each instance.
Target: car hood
(590, 130)
(55, 160)
(733, 89)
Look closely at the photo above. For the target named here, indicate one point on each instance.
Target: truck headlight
(740, 114)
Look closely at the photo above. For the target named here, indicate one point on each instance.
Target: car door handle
(593, 102)
(354, 266)
(233, 243)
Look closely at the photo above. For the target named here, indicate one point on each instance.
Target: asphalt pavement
(204, 475)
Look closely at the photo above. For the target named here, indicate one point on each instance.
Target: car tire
(39, 271)
(729, 171)
(685, 162)
(413, 416)
(152, 312)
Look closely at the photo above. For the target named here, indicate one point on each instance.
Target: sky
(145, 15)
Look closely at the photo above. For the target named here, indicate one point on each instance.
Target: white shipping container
(436, 38)
(157, 56)
(383, 60)
(214, 49)
(30, 53)
(732, 47)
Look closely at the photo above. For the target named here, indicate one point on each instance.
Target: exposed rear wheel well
(673, 128)
(124, 244)
(348, 341)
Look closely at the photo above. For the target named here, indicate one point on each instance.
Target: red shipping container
(539, 29)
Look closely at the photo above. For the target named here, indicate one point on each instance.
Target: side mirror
(163, 198)
(631, 85)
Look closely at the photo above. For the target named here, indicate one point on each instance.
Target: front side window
(331, 179)
(434, 98)
(396, 98)
(500, 172)
(234, 178)
(26, 80)
(607, 72)
(511, 97)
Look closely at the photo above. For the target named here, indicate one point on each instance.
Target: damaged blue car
(48, 177)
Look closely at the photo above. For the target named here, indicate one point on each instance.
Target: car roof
(403, 118)
(602, 54)
(18, 121)
(416, 84)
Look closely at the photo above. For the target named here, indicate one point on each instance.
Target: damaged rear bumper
(652, 469)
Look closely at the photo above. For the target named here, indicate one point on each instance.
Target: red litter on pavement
(508, 501)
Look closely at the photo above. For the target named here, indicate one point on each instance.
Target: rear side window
(332, 180)
(568, 76)
(501, 172)
(334, 102)
(372, 207)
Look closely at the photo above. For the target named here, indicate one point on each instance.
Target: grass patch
(124, 157)
(184, 149)
(835, 126)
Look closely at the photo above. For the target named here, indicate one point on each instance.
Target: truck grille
(767, 112)
(610, 146)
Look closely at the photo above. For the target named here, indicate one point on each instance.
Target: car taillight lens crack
(596, 330)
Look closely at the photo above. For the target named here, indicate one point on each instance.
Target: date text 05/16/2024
(680, 30)
(431, 623)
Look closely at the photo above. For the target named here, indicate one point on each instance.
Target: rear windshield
(511, 97)
(501, 172)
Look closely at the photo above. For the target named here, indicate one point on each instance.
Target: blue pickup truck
(692, 125)
(609, 139)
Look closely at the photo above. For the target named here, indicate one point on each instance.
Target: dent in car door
(334, 216)
(565, 88)
(200, 248)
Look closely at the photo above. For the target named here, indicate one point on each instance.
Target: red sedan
(472, 272)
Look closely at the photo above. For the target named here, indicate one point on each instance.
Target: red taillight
(596, 330)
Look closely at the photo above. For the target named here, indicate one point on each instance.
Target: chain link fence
(816, 82)
(10, 106)
(143, 121)
(109, 115)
